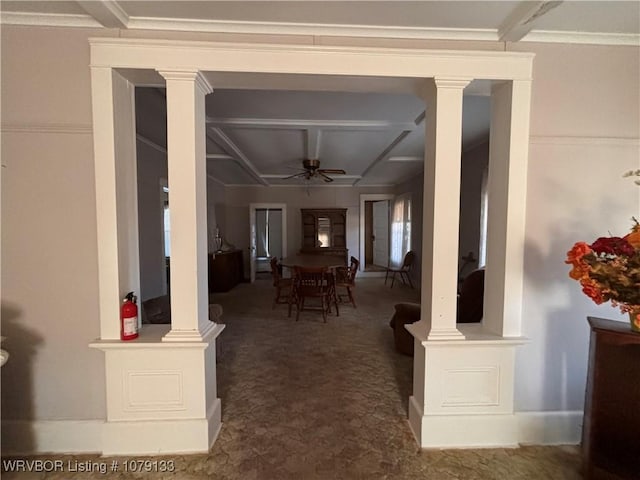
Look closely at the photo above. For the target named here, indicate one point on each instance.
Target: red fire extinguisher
(129, 318)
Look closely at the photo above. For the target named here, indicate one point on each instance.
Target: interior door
(381, 233)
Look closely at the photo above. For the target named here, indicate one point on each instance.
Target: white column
(441, 206)
(186, 149)
(116, 194)
(507, 185)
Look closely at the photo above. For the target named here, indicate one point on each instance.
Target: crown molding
(49, 20)
(317, 30)
(547, 36)
(313, 29)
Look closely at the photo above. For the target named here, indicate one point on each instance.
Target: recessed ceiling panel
(268, 149)
(230, 172)
(391, 173)
(353, 151)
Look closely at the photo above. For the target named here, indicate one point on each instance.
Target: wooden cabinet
(324, 231)
(225, 270)
(611, 427)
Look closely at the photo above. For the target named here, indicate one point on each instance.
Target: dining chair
(403, 269)
(317, 283)
(283, 286)
(346, 279)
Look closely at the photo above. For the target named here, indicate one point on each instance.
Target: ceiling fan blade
(326, 178)
(332, 171)
(295, 175)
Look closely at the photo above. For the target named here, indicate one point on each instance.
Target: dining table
(312, 261)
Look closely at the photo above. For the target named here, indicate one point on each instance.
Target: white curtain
(262, 233)
(269, 233)
(484, 200)
(400, 228)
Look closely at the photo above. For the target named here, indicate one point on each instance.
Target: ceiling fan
(312, 170)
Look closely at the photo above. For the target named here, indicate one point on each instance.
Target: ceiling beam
(522, 19)
(232, 149)
(385, 153)
(108, 13)
(305, 124)
(219, 156)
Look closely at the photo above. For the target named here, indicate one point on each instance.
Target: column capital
(451, 82)
(195, 76)
(432, 85)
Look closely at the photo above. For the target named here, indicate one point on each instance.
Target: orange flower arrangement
(609, 270)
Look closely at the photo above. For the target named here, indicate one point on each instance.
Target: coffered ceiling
(260, 127)
(259, 137)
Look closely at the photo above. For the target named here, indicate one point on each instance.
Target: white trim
(549, 428)
(49, 19)
(108, 12)
(316, 29)
(155, 54)
(305, 124)
(23, 437)
(48, 128)
(282, 28)
(479, 430)
(222, 140)
(156, 437)
(547, 36)
(581, 140)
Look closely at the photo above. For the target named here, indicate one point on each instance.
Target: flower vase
(634, 318)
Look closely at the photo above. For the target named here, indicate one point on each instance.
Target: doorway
(374, 233)
(268, 235)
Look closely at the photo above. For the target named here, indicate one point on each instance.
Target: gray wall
(585, 125)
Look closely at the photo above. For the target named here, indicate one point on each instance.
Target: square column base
(159, 437)
(161, 396)
(463, 389)
(462, 431)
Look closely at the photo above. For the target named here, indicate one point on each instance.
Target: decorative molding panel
(471, 387)
(153, 391)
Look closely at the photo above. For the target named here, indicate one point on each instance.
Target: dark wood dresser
(611, 428)
(226, 270)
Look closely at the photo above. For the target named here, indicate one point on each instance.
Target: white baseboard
(523, 428)
(549, 428)
(462, 430)
(22, 437)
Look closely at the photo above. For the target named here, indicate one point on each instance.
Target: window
(400, 228)
(484, 200)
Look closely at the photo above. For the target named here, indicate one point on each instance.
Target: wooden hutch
(324, 232)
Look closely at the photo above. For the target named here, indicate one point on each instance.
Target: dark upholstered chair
(470, 309)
